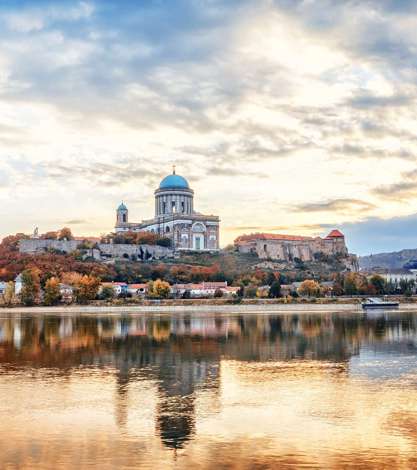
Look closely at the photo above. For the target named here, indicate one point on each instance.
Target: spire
(173, 169)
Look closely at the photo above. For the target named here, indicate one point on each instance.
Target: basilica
(175, 217)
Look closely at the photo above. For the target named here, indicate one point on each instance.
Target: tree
(218, 293)
(50, 236)
(164, 241)
(275, 290)
(309, 288)
(86, 289)
(378, 282)
(52, 294)
(107, 293)
(30, 286)
(159, 289)
(349, 284)
(8, 295)
(250, 291)
(65, 234)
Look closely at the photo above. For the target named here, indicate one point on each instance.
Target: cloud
(400, 191)
(99, 98)
(337, 206)
(276, 228)
(76, 222)
(391, 234)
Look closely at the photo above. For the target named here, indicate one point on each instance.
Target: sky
(285, 116)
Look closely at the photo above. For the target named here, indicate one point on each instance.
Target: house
(67, 292)
(18, 284)
(119, 288)
(139, 290)
(395, 276)
(203, 289)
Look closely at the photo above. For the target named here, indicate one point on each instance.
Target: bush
(218, 293)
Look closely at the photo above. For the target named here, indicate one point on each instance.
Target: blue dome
(174, 181)
(122, 207)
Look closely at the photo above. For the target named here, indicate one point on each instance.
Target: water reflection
(186, 375)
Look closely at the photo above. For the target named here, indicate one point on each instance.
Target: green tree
(30, 286)
(52, 294)
(107, 293)
(378, 283)
(275, 290)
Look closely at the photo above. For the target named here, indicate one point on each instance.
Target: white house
(18, 284)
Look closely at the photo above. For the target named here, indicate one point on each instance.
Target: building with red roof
(290, 247)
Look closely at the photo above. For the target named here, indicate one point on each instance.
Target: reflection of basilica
(181, 355)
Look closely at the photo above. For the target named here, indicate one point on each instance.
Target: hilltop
(393, 260)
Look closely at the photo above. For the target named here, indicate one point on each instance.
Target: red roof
(335, 234)
(272, 236)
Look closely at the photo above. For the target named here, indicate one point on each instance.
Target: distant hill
(394, 260)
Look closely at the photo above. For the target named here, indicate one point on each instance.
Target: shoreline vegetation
(324, 305)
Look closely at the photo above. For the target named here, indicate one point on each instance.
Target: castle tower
(122, 215)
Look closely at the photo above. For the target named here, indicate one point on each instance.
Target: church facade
(175, 218)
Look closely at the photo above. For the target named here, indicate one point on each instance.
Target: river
(208, 390)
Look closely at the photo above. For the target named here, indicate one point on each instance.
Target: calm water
(208, 391)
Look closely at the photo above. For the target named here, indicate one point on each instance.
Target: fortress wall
(111, 250)
(36, 245)
(285, 250)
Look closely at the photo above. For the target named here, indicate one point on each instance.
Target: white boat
(375, 302)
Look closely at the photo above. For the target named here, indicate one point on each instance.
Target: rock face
(100, 251)
(393, 260)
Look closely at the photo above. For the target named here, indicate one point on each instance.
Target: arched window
(124, 218)
(167, 229)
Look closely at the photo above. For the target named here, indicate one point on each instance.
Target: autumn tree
(86, 289)
(159, 289)
(349, 284)
(30, 286)
(8, 295)
(65, 234)
(309, 288)
(49, 236)
(52, 294)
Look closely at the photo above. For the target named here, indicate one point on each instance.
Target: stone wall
(101, 251)
(287, 250)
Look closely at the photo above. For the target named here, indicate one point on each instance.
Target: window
(173, 206)
(124, 218)
(182, 206)
(164, 207)
(167, 229)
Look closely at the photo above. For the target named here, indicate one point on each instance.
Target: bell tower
(122, 215)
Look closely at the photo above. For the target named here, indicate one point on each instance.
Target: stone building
(175, 217)
(289, 247)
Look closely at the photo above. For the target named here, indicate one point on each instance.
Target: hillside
(394, 260)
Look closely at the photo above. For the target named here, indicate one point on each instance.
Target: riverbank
(184, 309)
